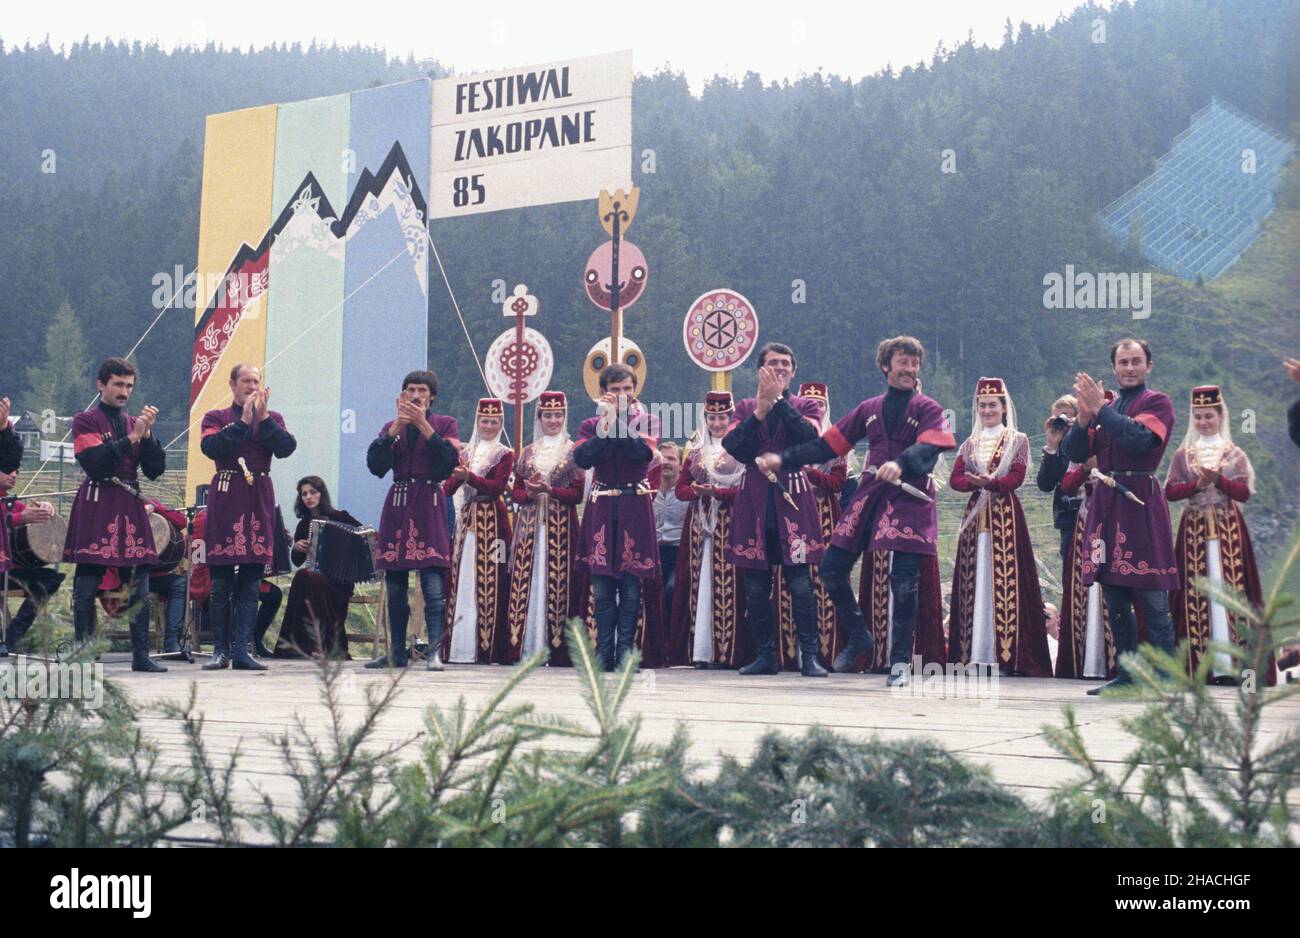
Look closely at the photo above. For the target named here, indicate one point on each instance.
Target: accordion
(342, 554)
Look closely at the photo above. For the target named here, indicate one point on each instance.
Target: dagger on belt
(771, 477)
(909, 489)
(1101, 477)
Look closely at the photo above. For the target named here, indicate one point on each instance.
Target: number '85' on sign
(462, 186)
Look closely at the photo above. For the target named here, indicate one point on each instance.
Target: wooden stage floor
(725, 713)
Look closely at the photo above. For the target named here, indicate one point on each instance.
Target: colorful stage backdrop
(313, 244)
(314, 256)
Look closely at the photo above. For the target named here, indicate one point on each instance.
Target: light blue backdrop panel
(304, 330)
(385, 323)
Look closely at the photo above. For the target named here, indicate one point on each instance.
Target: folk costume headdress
(550, 451)
(1218, 451)
(480, 454)
(713, 465)
(1003, 441)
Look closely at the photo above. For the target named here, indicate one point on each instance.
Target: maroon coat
(798, 526)
(108, 524)
(881, 516)
(241, 515)
(630, 518)
(413, 525)
(1128, 544)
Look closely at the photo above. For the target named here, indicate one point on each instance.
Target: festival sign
(531, 136)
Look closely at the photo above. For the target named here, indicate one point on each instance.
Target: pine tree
(60, 382)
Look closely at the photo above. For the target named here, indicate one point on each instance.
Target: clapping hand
(770, 387)
(1091, 396)
(143, 424)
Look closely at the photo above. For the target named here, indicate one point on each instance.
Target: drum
(169, 542)
(38, 545)
(344, 555)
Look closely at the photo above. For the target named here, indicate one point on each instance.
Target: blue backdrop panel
(385, 322)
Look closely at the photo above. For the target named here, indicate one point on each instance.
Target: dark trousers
(39, 583)
(1123, 622)
(433, 589)
(85, 583)
(904, 579)
(668, 563)
(617, 602)
(234, 586)
(174, 588)
(758, 607)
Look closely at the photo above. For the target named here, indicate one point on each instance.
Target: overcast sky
(702, 38)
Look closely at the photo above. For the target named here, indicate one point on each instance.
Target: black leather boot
(764, 646)
(808, 651)
(259, 645)
(759, 611)
(396, 648)
(140, 660)
(903, 630)
(433, 653)
(241, 660)
(220, 645)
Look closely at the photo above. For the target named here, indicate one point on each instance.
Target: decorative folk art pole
(719, 332)
(519, 363)
(614, 278)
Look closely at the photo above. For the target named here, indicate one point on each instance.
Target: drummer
(169, 581)
(38, 584)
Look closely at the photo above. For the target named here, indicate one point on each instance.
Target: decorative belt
(128, 485)
(401, 491)
(1126, 473)
(798, 481)
(226, 476)
(639, 487)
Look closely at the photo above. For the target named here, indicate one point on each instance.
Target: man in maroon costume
(906, 433)
(420, 448)
(108, 525)
(241, 439)
(1129, 546)
(774, 519)
(618, 546)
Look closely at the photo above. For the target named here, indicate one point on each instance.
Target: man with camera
(1052, 468)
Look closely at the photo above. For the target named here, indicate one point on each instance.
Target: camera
(1061, 423)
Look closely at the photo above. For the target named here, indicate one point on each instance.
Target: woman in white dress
(997, 606)
(480, 581)
(547, 487)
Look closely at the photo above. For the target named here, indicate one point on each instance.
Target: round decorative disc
(508, 361)
(720, 330)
